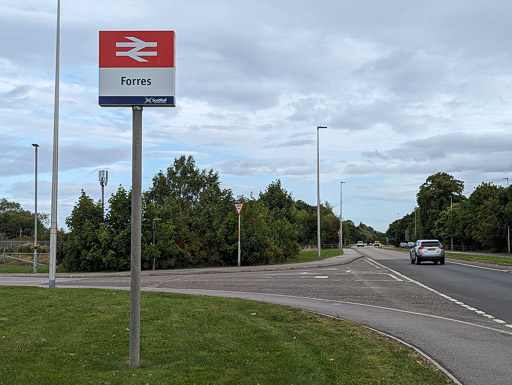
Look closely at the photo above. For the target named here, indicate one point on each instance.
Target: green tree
(281, 220)
(434, 197)
(82, 251)
(16, 223)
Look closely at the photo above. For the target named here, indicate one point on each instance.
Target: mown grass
(81, 336)
(312, 255)
(505, 261)
(25, 269)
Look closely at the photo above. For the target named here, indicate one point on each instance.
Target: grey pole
(508, 227)
(341, 215)
(55, 166)
(451, 217)
(318, 189)
(35, 209)
(415, 237)
(136, 238)
(154, 228)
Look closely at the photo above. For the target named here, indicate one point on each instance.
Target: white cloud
(407, 89)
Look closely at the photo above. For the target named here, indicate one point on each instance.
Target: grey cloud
(375, 154)
(274, 167)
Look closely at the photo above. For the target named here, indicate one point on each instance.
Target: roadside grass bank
(312, 255)
(81, 336)
(304, 256)
(495, 260)
(25, 269)
(505, 261)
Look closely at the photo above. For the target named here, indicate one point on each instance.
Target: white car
(360, 244)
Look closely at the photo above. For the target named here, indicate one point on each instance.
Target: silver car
(427, 250)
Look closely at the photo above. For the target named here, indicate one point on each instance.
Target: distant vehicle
(410, 244)
(370, 244)
(377, 244)
(427, 250)
(360, 244)
(403, 245)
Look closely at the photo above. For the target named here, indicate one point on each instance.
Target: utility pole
(318, 189)
(341, 215)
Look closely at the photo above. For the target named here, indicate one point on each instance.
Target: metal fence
(314, 247)
(14, 244)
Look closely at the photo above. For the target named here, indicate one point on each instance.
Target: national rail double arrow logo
(138, 45)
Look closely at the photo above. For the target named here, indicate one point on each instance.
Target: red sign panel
(132, 49)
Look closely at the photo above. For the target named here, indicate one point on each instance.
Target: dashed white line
(470, 308)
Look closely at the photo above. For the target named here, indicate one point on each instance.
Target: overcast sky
(406, 88)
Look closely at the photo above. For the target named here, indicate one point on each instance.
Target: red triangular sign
(238, 207)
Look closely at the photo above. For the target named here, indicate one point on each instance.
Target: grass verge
(495, 260)
(312, 255)
(81, 336)
(24, 269)
(505, 261)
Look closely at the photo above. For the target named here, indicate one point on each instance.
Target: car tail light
(441, 247)
(421, 248)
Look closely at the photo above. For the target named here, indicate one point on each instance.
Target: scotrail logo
(155, 100)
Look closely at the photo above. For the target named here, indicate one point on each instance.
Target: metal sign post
(136, 237)
(238, 207)
(136, 70)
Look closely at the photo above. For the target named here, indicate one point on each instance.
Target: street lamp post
(52, 265)
(415, 237)
(154, 228)
(451, 220)
(35, 208)
(341, 215)
(318, 189)
(508, 228)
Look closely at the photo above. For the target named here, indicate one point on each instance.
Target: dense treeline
(479, 222)
(194, 223)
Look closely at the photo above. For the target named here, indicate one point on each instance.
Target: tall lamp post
(451, 220)
(52, 266)
(508, 228)
(154, 228)
(35, 208)
(318, 188)
(341, 215)
(415, 237)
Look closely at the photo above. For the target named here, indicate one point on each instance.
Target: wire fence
(8, 244)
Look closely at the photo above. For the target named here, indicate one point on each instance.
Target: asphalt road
(458, 315)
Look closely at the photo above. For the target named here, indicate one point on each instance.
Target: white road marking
(470, 308)
(371, 262)
(322, 276)
(479, 267)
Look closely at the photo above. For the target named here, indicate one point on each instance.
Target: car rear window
(431, 244)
